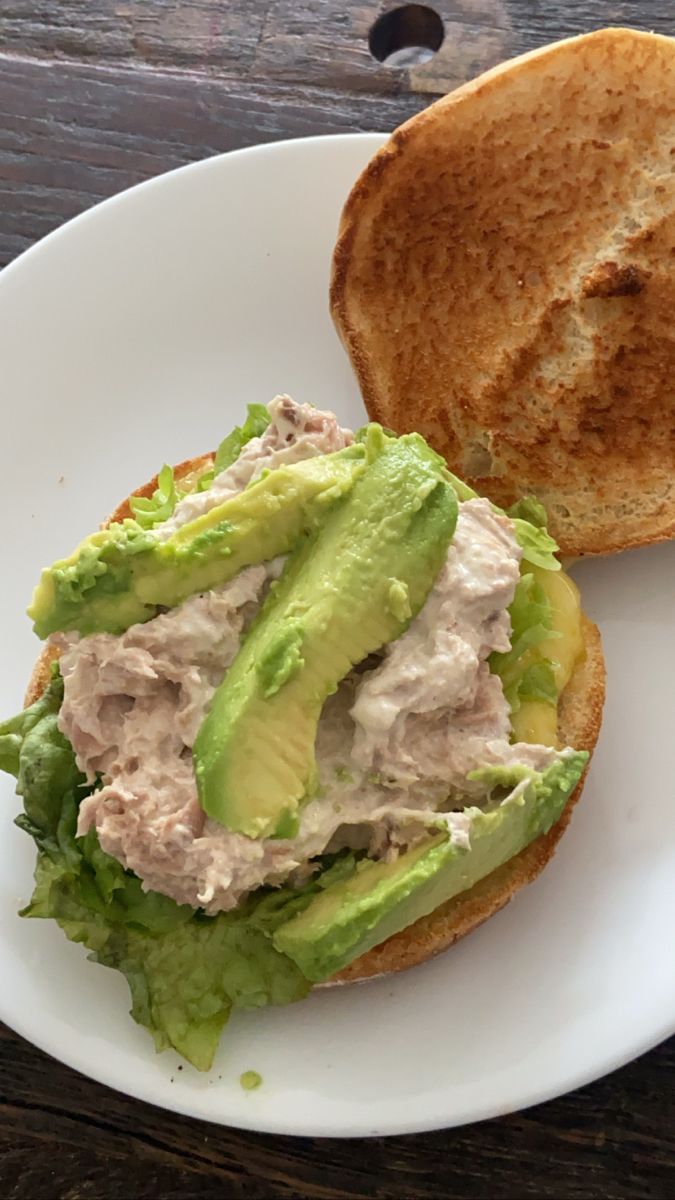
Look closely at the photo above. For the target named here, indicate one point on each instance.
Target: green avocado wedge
(345, 592)
(381, 898)
(121, 575)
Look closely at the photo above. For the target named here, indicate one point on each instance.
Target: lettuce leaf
(41, 759)
(525, 673)
(151, 511)
(529, 520)
(13, 731)
(537, 682)
(528, 509)
(524, 676)
(230, 448)
(186, 971)
(537, 545)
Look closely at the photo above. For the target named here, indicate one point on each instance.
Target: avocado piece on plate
(380, 899)
(348, 590)
(120, 575)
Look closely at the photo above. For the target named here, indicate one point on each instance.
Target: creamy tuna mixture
(394, 745)
(295, 432)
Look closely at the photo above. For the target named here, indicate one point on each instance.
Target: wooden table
(94, 96)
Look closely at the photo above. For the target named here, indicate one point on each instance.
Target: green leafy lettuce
(186, 971)
(529, 520)
(537, 545)
(150, 511)
(525, 675)
(230, 448)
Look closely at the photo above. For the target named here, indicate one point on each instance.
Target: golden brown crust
(579, 725)
(40, 675)
(503, 283)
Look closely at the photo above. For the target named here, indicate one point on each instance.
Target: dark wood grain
(63, 1136)
(199, 33)
(96, 95)
(72, 134)
(302, 41)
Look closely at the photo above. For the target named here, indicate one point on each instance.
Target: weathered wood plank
(66, 1137)
(209, 34)
(308, 42)
(71, 135)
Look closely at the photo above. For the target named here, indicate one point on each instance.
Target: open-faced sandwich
(307, 712)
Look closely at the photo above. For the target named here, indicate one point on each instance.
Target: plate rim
(156, 181)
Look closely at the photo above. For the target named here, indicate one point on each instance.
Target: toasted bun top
(503, 282)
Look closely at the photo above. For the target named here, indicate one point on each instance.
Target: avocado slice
(120, 575)
(355, 914)
(351, 588)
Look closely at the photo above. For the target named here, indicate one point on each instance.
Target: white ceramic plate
(135, 335)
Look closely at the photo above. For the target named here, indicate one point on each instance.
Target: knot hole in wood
(406, 36)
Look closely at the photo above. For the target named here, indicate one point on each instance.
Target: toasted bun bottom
(580, 715)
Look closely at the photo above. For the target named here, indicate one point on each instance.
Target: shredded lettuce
(231, 447)
(529, 509)
(529, 520)
(537, 682)
(186, 971)
(257, 420)
(537, 545)
(151, 511)
(523, 676)
(526, 674)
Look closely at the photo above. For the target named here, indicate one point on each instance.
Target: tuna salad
(306, 668)
(395, 745)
